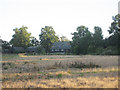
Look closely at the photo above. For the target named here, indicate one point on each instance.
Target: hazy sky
(63, 15)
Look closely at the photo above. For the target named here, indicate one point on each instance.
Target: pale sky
(63, 15)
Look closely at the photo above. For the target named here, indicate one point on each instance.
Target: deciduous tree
(21, 38)
(81, 40)
(47, 38)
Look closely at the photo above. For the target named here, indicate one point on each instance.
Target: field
(59, 71)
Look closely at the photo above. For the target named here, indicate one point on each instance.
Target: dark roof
(31, 48)
(18, 49)
(61, 45)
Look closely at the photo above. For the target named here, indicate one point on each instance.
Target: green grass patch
(114, 70)
(81, 74)
(59, 76)
(92, 72)
(50, 76)
(41, 72)
(88, 72)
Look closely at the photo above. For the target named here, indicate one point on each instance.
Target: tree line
(83, 41)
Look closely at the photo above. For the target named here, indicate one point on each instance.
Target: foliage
(34, 41)
(59, 76)
(115, 25)
(8, 65)
(97, 37)
(63, 39)
(114, 31)
(110, 51)
(5, 45)
(81, 40)
(83, 65)
(40, 50)
(21, 38)
(47, 38)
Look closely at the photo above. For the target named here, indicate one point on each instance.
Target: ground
(59, 71)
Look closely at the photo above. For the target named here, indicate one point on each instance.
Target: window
(62, 49)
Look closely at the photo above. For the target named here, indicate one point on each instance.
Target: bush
(40, 50)
(99, 50)
(59, 76)
(8, 65)
(76, 64)
(82, 65)
(110, 51)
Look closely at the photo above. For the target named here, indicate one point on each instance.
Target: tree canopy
(115, 25)
(63, 39)
(97, 37)
(34, 41)
(114, 31)
(5, 45)
(81, 40)
(47, 38)
(21, 38)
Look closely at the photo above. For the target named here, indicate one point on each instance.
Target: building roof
(18, 49)
(31, 48)
(61, 45)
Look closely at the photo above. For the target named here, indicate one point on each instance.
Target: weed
(40, 72)
(94, 72)
(36, 68)
(88, 72)
(8, 65)
(49, 76)
(40, 58)
(81, 74)
(82, 65)
(31, 77)
(114, 70)
(58, 64)
(39, 77)
(69, 71)
(50, 67)
(59, 76)
(5, 67)
(51, 58)
(26, 62)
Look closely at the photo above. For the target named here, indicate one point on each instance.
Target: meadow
(59, 71)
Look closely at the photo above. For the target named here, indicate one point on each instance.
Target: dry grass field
(59, 71)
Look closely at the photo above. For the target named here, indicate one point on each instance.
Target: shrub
(58, 64)
(110, 51)
(59, 76)
(76, 64)
(82, 65)
(99, 50)
(40, 50)
(8, 65)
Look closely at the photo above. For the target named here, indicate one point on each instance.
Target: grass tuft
(59, 75)
(80, 65)
(8, 65)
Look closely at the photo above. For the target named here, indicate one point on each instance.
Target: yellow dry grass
(64, 82)
(112, 69)
(91, 82)
(68, 79)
